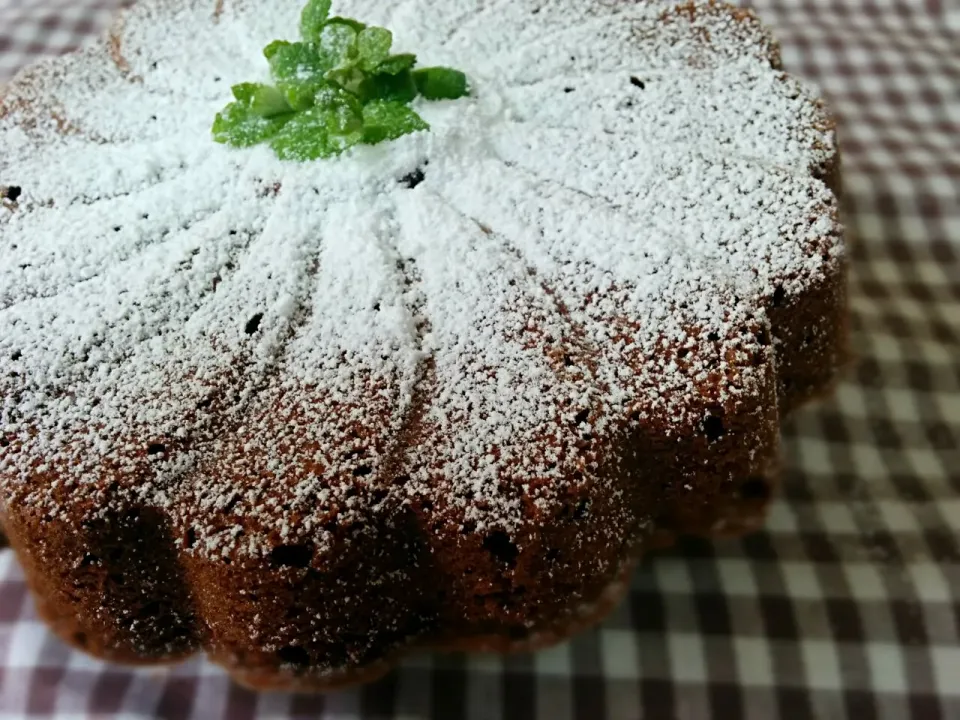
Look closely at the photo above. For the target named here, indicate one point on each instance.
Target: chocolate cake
(438, 392)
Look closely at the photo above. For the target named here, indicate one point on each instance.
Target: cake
(438, 392)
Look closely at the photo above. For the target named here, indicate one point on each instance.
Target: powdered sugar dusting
(262, 349)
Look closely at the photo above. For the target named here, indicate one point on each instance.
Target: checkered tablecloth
(846, 606)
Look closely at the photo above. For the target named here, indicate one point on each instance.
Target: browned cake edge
(122, 595)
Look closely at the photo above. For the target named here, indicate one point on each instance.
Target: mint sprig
(440, 83)
(338, 87)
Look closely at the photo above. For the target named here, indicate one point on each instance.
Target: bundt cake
(436, 392)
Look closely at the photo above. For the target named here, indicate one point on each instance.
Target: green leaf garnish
(313, 18)
(273, 48)
(263, 100)
(302, 96)
(296, 63)
(355, 24)
(397, 63)
(300, 70)
(388, 120)
(399, 87)
(349, 77)
(338, 98)
(319, 132)
(337, 88)
(440, 83)
(338, 44)
(373, 45)
(239, 126)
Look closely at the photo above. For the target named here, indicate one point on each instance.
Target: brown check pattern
(847, 605)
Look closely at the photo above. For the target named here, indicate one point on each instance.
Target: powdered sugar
(294, 338)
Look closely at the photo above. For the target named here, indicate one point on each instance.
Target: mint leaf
(318, 133)
(313, 18)
(373, 45)
(399, 87)
(335, 98)
(302, 95)
(244, 92)
(397, 63)
(239, 126)
(349, 22)
(440, 83)
(298, 71)
(337, 45)
(262, 100)
(388, 120)
(350, 78)
(273, 48)
(295, 62)
(345, 118)
(338, 87)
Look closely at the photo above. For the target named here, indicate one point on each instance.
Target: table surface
(846, 605)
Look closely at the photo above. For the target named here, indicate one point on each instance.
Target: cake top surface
(469, 314)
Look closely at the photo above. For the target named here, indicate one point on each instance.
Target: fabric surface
(847, 605)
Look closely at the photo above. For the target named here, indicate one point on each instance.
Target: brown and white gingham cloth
(846, 606)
